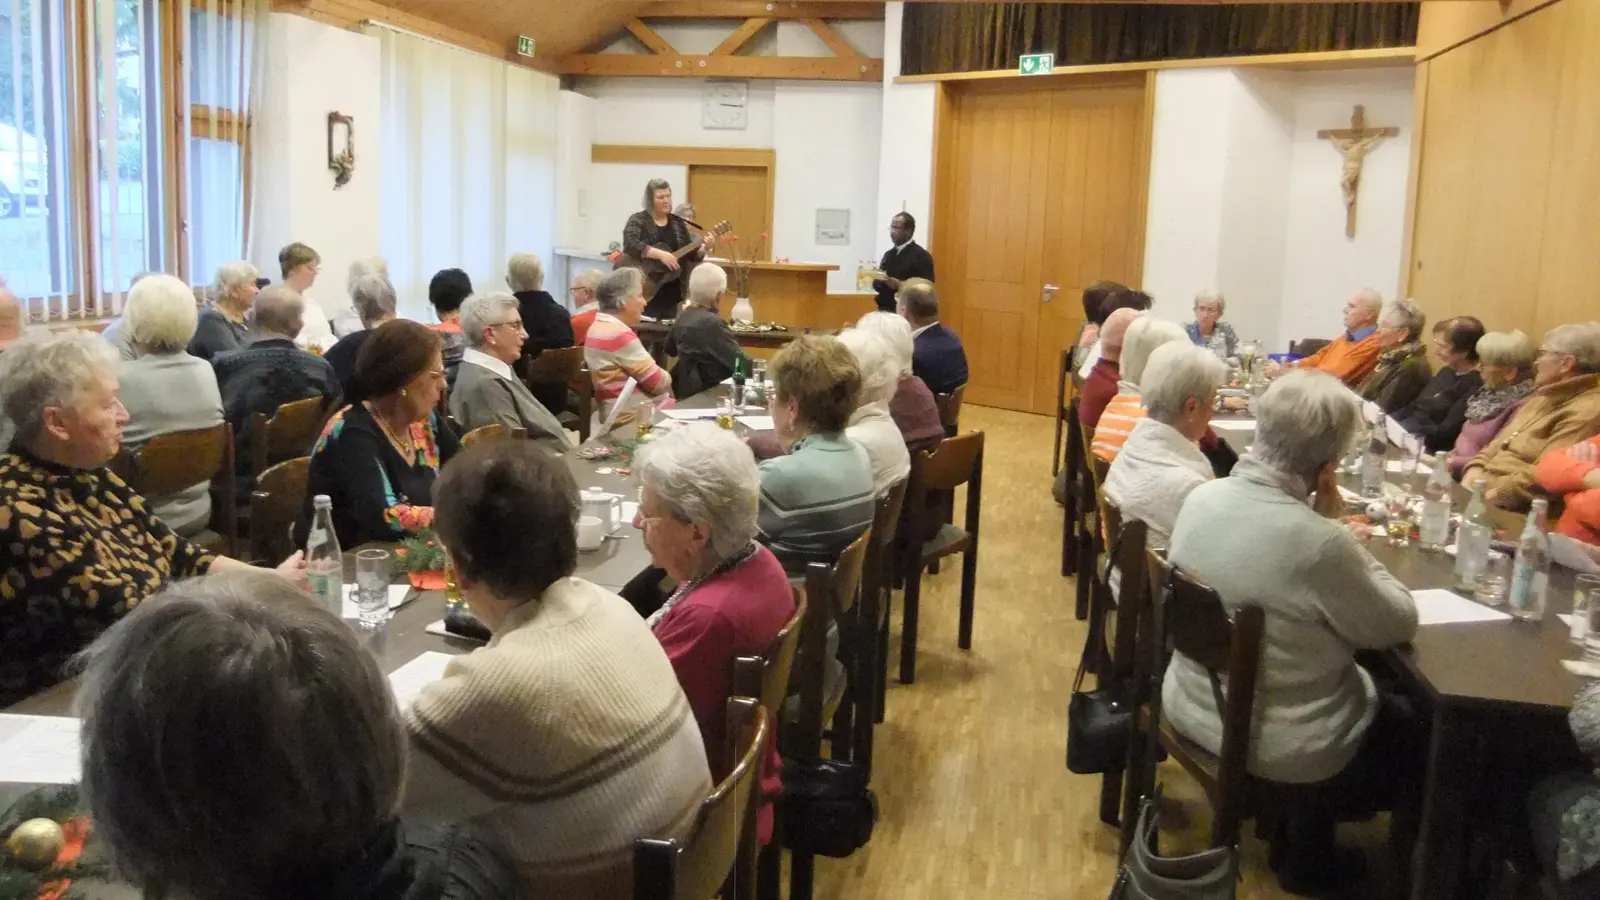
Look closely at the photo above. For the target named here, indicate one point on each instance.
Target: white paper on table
(39, 749)
(1348, 495)
(1370, 411)
(1582, 668)
(610, 421)
(757, 423)
(1234, 424)
(1440, 607)
(399, 595)
(689, 415)
(409, 680)
(1398, 465)
(1573, 554)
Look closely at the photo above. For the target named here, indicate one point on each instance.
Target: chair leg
(969, 591)
(802, 870)
(866, 694)
(1111, 797)
(842, 735)
(881, 683)
(1069, 533)
(908, 626)
(769, 870)
(1086, 566)
(1055, 454)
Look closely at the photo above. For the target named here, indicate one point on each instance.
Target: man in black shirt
(904, 261)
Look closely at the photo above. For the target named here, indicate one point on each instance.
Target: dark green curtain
(975, 37)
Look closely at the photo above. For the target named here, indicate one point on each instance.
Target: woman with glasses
(487, 391)
(377, 459)
(1208, 330)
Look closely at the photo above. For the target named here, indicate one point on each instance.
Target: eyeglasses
(514, 323)
(580, 290)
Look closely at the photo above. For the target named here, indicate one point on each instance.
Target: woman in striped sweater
(568, 734)
(612, 349)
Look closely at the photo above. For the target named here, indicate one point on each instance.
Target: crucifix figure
(1354, 143)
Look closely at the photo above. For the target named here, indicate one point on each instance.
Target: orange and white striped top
(1116, 423)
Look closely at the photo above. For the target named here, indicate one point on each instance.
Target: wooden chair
(1189, 618)
(1072, 497)
(280, 495)
(830, 595)
(1066, 393)
(1090, 539)
(950, 409)
(1307, 346)
(872, 667)
(583, 384)
(557, 368)
(492, 433)
(1126, 543)
(927, 537)
(177, 461)
(288, 434)
(696, 866)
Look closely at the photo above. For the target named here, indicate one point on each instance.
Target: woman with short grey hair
(225, 324)
(698, 504)
(547, 321)
(282, 691)
(166, 390)
(655, 234)
(913, 408)
(870, 425)
(1320, 717)
(1208, 330)
(1505, 360)
(60, 391)
(373, 299)
(488, 391)
(704, 345)
(612, 348)
(1403, 370)
(525, 272)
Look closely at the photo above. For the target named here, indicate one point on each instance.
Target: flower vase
(743, 311)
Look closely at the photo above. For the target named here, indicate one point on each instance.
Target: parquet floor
(969, 769)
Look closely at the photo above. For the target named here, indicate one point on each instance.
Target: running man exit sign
(1037, 63)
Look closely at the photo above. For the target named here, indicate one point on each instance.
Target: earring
(404, 392)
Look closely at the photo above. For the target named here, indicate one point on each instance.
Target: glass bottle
(1472, 541)
(738, 382)
(324, 561)
(1434, 530)
(1372, 463)
(1530, 577)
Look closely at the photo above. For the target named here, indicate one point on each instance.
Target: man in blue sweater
(937, 356)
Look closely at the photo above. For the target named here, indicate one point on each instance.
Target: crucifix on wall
(1354, 143)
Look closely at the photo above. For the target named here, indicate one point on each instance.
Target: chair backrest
(934, 475)
(765, 678)
(1125, 544)
(1066, 387)
(830, 591)
(289, 433)
(695, 866)
(950, 409)
(583, 386)
(492, 433)
(1193, 621)
(879, 565)
(558, 366)
(279, 496)
(1307, 346)
(179, 460)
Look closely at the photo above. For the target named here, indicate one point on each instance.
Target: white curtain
(468, 165)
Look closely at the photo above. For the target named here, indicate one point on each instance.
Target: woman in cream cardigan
(568, 734)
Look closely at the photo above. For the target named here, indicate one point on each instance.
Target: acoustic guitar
(655, 272)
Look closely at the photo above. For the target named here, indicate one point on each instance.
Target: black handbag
(1098, 723)
(827, 808)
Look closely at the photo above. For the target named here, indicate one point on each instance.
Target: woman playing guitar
(651, 237)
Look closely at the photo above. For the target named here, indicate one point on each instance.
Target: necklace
(406, 448)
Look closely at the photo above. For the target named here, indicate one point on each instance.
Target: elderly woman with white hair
(165, 389)
(373, 298)
(283, 691)
(870, 425)
(225, 324)
(67, 575)
(1505, 360)
(1320, 717)
(1125, 409)
(612, 349)
(487, 391)
(706, 349)
(1208, 330)
(913, 408)
(1563, 410)
(699, 497)
(1402, 372)
(547, 322)
(1161, 461)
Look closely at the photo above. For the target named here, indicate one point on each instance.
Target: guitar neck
(693, 245)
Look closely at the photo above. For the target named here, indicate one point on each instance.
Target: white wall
(1244, 198)
(313, 69)
(905, 164)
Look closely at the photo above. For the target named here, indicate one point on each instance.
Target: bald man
(937, 356)
(1101, 385)
(271, 370)
(10, 318)
(1353, 355)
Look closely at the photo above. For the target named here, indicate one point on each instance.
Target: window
(36, 230)
(131, 225)
(216, 174)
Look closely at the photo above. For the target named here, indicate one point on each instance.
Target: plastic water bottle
(1472, 541)
(1433, 531)
(1373, 462)
(324, 561)
(1530, 577)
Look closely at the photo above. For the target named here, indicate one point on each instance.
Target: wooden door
(738, 195)
(1047, 188)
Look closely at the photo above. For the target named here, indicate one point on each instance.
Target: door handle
(1050, 292)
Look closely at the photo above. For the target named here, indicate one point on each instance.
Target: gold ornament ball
(36, 844)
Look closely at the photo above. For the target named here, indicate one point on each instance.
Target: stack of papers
(1234, 424)
(409, 680)
(689, 415)
(756, 423)
(1441, 607)
(39, 750)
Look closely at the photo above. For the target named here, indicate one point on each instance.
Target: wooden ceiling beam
(751, 9)
(840, 47)
(820, 68)
(650, 38)
(741, 36)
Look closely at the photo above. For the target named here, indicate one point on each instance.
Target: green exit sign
(1037, 63)
(524, 46)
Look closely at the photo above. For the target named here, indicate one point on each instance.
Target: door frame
(946, 134)
(738, 157)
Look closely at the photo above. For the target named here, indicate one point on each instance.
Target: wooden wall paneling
(1485, 177)
(1445, 24)
(1419, 122)
(1569, 265)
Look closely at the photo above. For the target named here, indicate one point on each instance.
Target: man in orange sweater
(1354, 354)
(1573, 474)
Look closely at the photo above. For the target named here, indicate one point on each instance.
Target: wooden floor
(970, 773)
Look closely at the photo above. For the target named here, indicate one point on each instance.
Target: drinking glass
(1401, 520)
(1586, 603)
(1494, 581)
(372, 586)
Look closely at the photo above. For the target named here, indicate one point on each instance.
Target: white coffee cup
(591, 533)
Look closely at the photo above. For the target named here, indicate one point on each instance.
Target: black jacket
(1440, 410)
(264, 376)
(938, 358)
(910, 262)
(549, 327)
(414, 862)
(342, 356)
(706, 350)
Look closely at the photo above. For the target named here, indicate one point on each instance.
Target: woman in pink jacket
(1506, 364)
